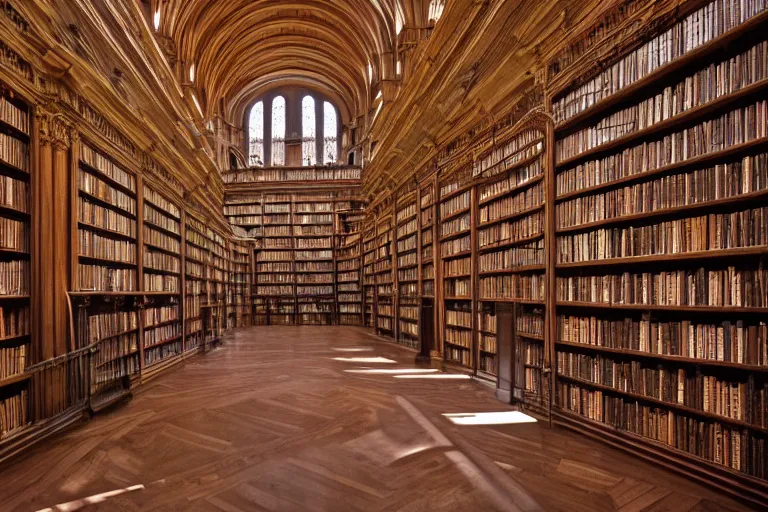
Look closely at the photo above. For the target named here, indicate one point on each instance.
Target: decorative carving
(44, 119)
(60, 133)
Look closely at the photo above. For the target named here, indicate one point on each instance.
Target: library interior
(384, 255)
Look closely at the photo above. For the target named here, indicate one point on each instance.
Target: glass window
(308, 138)
(278, 131)
(256, 135)
(331, 132)
(436, 9)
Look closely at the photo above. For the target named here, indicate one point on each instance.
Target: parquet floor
(272, 422)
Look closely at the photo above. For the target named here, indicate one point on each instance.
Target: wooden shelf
(645, 307)
(511, 216)
(679, 360)
(94, 171)
(739, 252)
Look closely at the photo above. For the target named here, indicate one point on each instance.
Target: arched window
(308, 138)
(256, 135)
(436, 10)
(330, 130)
(278, 131)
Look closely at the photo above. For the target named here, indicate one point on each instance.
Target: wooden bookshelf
(348, 261)
(16, 355)
(407, 233)
(197, 257)
(369, 276)
(691, 318)
(384, 273)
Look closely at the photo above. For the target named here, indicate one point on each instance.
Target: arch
(330, 134)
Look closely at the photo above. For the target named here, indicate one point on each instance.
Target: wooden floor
(272, 422)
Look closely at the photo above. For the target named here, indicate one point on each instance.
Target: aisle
(292, 418)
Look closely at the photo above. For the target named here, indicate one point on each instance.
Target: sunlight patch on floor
(383, 360)
(490, 418)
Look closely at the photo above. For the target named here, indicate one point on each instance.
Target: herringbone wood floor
(272, 422)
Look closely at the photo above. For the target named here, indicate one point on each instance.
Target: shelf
(13, 253)
(455, 193)
(509, 243)
(9, 211)
(518, 301)
(681, 360)
(457, 234)
(457, 276)
(161, 209)
(670, 405)
(163, 342)
(646, 307)
(106, 262)
(157, 248)
(530, 336)
(696, 162)
(514, 190)
(738, 252)
(105, 231)
(451, 297)
(522, 269)
(454, 256)
(462, 327)
(161, 324)
(511, 216)
(453, 215)
(514, 166)
(743, 201)
(15, 379)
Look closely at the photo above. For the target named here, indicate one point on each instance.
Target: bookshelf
(407, 232)
(384, 275)
(369, 276)
(196, 258)
(455, 232)
(161, 320)
(661, 248)
(241, 282)
(511, 255)
(349, 280)
(15, 262)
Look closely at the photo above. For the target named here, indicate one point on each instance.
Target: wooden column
(550, 323)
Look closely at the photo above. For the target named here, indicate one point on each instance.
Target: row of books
(14, 152)
(345, 277)
(14, 235)
(427, 196)
(161, 202)
(427, 217)
(694, 234)
(313, 219)
(284, 219)
(523, 146)
(277, 208)
(161, 240)
(274, 290)
(693, 187)
(409, 312)
(407, 228)
(14, 277)
(515, 286)
(349, 297)
(408, 275)
(161, 283)
(426, 237)
(384, 323)
(111, 351)
(348, 287)
(456, 246)
(254, 220)
(407, 244)
(13, 361)
(323, 230)
(459, 266)
(739, 400)
(533, 354)
(348, 265)
(103, 326)
(250, 209)
(531, 197)
(157, 335)
(278, 243)
(314, 243)
(457, 225)
(457, 287)
(105, 218)
(314, 278)
(161, 261)
(14, 193)
(458, 337)
(733, 447)
(704, 25)
(196, 270)
(154, 316)
(409, 329)
(93, 245)
(159, 218)
(458, 318)
(350, 309)
(486, 321)
(488, 343)
(406, 212)
(105, 166)
(409, 289)
(457, 355)
(515, 179)
(13, 115)
(735, 342)
(274, 256)
(14, 412)
(512, 231)
(161, 352)
(530, 323)
(93, 186)
(454, 204)
(312, 207)
(524, 255)
(313, 255)
(314, 266)
(314, 290)
(692, 287)
(98, 278)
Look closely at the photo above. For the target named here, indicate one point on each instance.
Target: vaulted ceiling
(242, 47)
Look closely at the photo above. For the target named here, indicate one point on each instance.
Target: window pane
(331, 132)
(308, 148)
(256, 135)
(278, 131)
